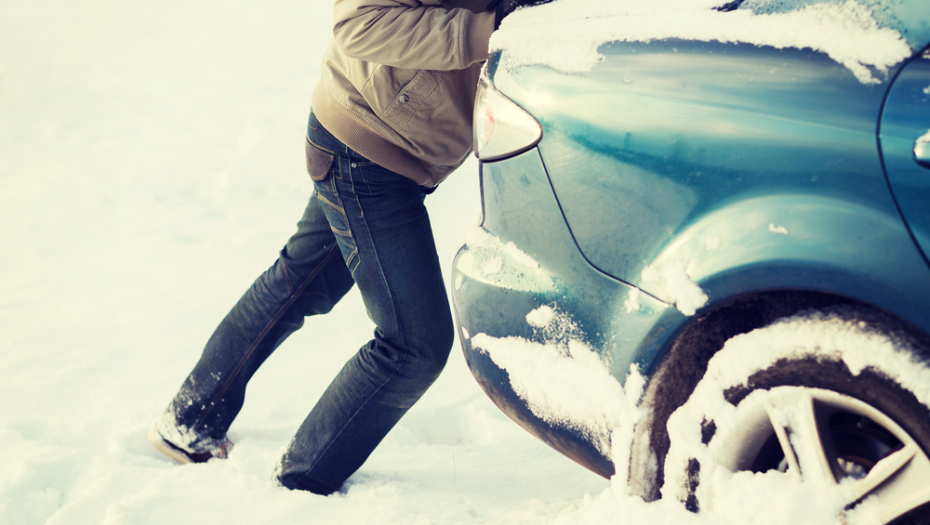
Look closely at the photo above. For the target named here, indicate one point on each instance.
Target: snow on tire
(823, 412)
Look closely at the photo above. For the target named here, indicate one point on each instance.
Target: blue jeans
(367, 225)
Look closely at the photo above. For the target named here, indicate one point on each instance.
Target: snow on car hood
(566, 34)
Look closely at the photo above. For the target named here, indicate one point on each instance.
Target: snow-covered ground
(151, 165)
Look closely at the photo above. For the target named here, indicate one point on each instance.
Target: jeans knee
(436, 346)
(421, 353)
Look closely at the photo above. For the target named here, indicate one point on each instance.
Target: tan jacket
(399, 80)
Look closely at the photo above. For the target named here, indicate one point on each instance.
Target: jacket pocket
(397, 94)
(318, 162)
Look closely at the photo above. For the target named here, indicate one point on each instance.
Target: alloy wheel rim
(823, 436)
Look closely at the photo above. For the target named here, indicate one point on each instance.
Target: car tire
(821, 397)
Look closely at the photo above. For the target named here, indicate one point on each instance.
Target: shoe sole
(167, 448)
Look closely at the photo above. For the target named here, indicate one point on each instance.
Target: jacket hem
(353, 130)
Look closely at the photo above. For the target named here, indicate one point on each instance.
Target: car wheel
(821, 399)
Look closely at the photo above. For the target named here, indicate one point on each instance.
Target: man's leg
(384, 233)
(308, 278)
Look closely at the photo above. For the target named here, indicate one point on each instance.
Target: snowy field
(151, 165)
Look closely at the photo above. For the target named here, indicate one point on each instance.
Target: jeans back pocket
(318, 162)
(320, 167)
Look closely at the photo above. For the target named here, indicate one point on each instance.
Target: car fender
(799, 242)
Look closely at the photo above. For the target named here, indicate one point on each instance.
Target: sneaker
(183, 456)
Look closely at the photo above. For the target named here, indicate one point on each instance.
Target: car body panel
(492, 296)
(757, 169)
(819, 245)
(905, 119)
(721, 158)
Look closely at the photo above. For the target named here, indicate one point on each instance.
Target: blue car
(698, 254)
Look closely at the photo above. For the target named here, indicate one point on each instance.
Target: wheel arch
(685, 357)
(801, 242)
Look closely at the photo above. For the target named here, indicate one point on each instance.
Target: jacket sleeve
(412, 34)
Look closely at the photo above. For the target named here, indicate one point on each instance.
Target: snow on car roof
(860, 35)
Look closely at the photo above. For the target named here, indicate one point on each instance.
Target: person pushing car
(391, 119)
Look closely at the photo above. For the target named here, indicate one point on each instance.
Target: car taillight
(502, 128)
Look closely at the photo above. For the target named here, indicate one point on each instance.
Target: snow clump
(676, 285)
(487, 258)
(566, 383)
(566, 34)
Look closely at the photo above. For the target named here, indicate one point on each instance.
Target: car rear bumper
(508, 276)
